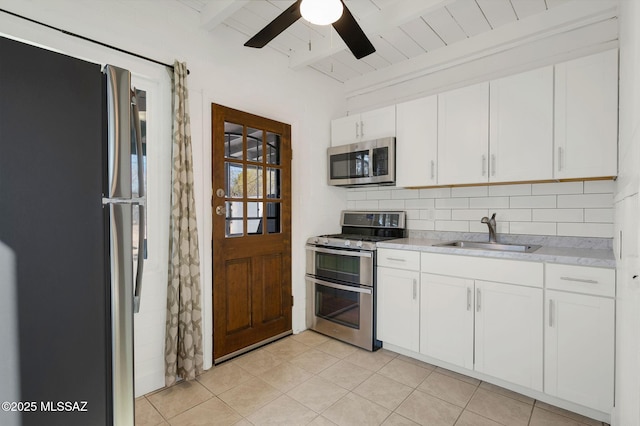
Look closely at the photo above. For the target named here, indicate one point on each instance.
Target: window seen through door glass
(252, 181)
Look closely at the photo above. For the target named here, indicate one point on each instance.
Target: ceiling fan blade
(355, 39)
(275, 27)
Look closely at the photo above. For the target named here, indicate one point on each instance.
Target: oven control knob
(315, 241)
(359, 244)
(325, 241)
(347, 243)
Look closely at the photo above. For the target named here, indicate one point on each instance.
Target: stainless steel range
(341, 276)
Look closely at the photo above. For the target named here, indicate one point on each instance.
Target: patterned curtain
(183, 341)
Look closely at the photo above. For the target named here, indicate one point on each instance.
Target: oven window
(350, 165)
(339, 306)
(336, 267)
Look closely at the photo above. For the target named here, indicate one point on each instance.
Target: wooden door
(251, 177)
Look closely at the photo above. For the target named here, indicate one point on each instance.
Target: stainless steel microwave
(363, 163)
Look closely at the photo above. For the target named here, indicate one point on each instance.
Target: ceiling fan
(346, 26)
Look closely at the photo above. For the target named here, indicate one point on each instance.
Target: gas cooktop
(361, 230)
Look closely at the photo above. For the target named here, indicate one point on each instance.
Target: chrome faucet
(491, 223)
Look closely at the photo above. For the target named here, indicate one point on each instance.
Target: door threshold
(239, 352)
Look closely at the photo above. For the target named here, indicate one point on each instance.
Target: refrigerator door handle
(118, 146)
(135, 119)
(137, 293)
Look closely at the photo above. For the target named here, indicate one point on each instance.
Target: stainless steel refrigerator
(71, 221)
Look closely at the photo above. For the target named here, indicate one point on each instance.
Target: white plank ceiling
(400, 30)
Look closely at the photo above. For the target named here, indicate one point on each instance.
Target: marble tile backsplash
(577, 209)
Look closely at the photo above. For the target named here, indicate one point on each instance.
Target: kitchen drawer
(484, 268)
(581, 279)
(401, 259)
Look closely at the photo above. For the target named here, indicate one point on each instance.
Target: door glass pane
(234, 215)
(234, 181)
(254, 145)
(254, 182)
(233, 140)
(273, 183)
(274, 223)
(254, 218)
(339, 306)
(273, 148)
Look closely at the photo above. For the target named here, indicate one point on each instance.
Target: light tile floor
(311, 379)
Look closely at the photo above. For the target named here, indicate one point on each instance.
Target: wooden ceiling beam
(393, 15)
(215, 12)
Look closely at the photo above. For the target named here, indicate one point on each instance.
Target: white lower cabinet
(508, 326)
(579, 354)
(446, 320)
(398, 307)
(505, 319)
(517, 321)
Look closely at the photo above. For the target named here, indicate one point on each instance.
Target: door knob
(220, 210)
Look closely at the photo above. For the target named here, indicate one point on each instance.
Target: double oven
(341, 276)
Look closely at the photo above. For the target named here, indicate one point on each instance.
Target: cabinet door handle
(357, 129)
(493, 164)
(560, 158)
(551, 309)
(361, 128)
(579, 280)
(415, 289)
(468, 299)
(478, 294)
(433, 170)
(484, 165)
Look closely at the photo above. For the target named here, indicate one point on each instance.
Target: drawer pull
(579, 280)
(396, 259)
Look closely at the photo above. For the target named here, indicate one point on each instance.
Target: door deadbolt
(220, 210)
(220, 192)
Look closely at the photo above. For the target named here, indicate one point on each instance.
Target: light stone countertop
(600, 257)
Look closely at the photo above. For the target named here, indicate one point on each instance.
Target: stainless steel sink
(473, 245)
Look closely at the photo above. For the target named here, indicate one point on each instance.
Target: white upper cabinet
(376, 124)
(463, 135)
(417, 142)
(586, 109)
(521, 127)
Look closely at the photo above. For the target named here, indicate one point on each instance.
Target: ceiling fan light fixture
(321, 12)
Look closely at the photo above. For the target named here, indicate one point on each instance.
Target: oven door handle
(340, 286)
(340, 252)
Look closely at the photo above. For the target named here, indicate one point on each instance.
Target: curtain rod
(88, 39)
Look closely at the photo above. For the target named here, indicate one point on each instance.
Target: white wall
(577, 209)
(224, 72)
(627, 410)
